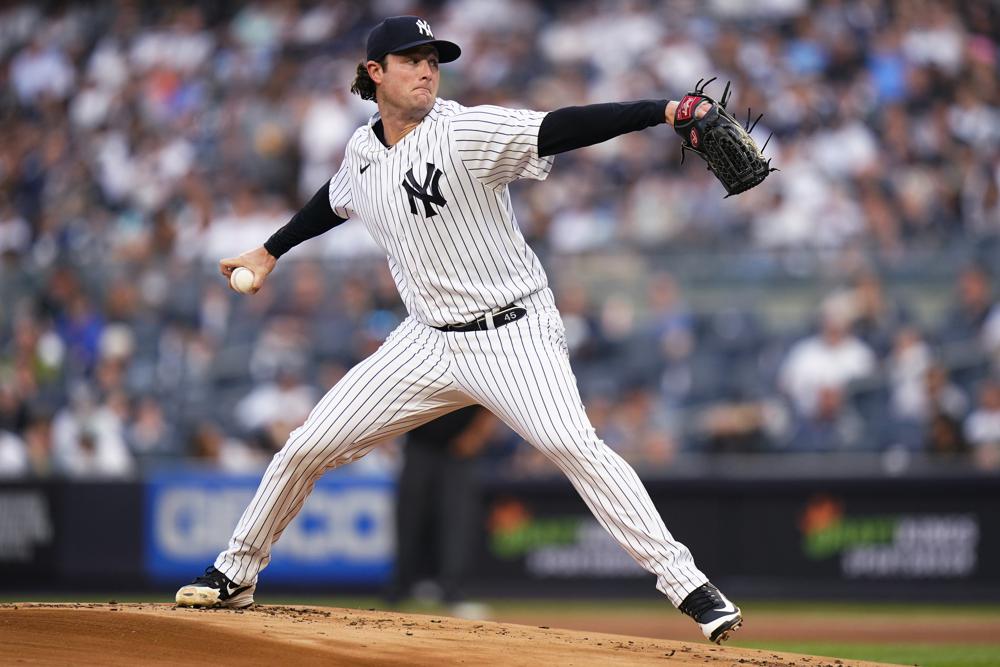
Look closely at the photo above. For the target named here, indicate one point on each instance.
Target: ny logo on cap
(424, 27)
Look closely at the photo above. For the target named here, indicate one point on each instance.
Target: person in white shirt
(822, 365)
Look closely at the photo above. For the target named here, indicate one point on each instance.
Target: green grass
(925, 655)
(862, 608)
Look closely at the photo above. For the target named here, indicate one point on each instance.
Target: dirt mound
(153, 634)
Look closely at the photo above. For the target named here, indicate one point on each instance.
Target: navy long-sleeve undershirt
(575, 127)
(313, 219)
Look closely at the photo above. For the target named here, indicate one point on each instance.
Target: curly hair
(363, 85)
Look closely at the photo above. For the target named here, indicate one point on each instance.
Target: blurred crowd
(141, 142)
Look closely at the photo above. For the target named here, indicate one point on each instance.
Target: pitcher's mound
(159, 634)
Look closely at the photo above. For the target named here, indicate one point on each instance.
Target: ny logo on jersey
(427, 192)
(424, 27)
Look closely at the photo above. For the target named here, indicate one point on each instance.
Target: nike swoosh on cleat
(230, 590)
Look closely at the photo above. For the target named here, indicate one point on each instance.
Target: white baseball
(241, 279)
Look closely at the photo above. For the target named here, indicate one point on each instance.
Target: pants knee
(312, 450)
(300, 452)
(564, 448)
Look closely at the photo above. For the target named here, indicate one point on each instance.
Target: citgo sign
(344, 533)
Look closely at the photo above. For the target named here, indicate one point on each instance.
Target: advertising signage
(843, 536)
(343, 534)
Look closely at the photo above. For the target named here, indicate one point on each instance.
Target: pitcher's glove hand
(720, 140)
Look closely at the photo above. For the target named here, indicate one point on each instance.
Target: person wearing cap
(429, 179)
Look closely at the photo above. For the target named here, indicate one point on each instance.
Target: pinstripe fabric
(468, 258)
(405, 383)
(521, 373)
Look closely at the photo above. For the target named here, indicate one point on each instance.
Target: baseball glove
(720, 140)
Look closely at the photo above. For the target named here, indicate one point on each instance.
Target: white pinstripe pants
(521, 373)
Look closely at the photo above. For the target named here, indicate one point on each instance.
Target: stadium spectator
(13, 456)
(583, 333)
(967, 319)
(908, 366)
(818, 369)
(88, 440)
(42, 72)
(13, 407)
(666, 336)
(946, 408)
(982, 427)
(272, 409)
(210, 447)
(39, 445)
(740, 426)
(878, 316)
(640, 428)
(148, 433)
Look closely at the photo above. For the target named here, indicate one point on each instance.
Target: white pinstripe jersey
(437, 202)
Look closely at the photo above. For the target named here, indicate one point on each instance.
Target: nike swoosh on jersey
(365, 167)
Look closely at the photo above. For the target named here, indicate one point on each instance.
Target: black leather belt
(505, 315)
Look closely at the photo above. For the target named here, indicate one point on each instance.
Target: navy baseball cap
(399, 33)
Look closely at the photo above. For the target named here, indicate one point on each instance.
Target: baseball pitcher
(429, 179)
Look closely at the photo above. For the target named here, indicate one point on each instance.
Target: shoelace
(701, 601)
(211, 576)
